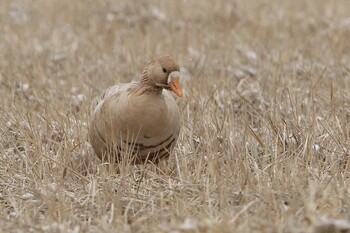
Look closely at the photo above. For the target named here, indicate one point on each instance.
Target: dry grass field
(265, 137)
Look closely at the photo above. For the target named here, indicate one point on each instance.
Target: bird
(140, 120)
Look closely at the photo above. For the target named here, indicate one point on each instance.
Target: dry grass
(265, 134)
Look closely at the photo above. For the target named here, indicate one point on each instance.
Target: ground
(264, 145)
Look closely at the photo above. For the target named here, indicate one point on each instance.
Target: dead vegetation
(265, 134)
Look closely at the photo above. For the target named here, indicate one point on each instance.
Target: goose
(138, 120)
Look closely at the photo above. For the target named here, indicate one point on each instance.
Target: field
(265, 137)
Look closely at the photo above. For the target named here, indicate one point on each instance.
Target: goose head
(163, 72)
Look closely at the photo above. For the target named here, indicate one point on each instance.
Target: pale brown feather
(138, 118)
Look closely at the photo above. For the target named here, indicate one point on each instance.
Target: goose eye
(164, 70)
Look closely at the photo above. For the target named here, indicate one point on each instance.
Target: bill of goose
(139, 119)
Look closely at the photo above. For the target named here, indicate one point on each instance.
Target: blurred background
(72, 44)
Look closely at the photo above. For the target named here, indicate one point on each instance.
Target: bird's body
(138, 119)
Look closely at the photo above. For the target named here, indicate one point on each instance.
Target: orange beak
(175, 86)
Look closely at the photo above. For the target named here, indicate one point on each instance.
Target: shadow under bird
(139, 119)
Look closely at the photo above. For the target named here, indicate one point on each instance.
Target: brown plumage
(139, 119)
